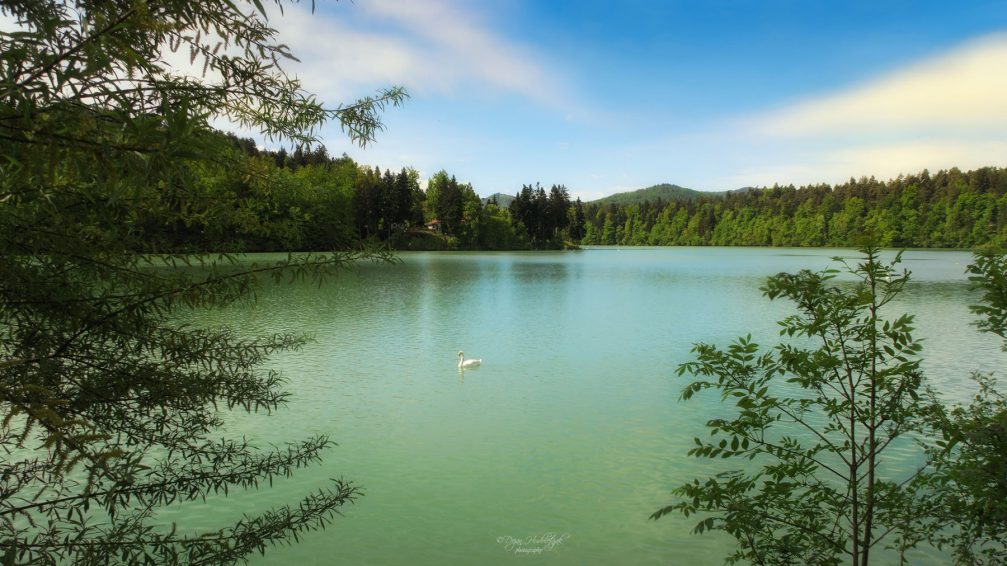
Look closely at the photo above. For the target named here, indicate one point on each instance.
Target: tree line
(949, 209)
(259, 200)
(308, 200)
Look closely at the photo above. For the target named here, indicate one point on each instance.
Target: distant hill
(503, 201)
(664, 191)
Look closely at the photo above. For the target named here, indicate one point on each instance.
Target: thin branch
(68, 53)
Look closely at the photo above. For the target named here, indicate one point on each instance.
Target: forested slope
(311, 201)
(947, 209)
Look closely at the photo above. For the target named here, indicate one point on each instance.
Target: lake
(570, 435)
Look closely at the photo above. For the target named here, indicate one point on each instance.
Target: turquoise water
(560, 446)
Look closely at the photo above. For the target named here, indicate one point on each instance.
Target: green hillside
(503, 200)
(664, 191)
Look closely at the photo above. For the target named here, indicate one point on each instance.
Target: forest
(308, 200)
(252, 200)
(949, 209)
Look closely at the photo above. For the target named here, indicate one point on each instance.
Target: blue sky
(607, 96)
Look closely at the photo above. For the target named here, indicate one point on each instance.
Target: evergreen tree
(109, 405)
(281, 158)
(577, 228)
(368, 202)
(559, 204)
(447, 201)
(403, 196)
(389, 200)
(608, 232)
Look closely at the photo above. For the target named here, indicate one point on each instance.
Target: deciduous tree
(812, 421)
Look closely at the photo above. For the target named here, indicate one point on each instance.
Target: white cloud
(889, 160)
(430, 47)
(962, 90)
(468, 47)
(944, 111)
(882, 160)
(339, 63)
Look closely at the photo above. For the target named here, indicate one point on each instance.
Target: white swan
(463, 363)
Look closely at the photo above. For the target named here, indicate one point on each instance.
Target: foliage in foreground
(107, 405)
(815, 418)
(973, 484)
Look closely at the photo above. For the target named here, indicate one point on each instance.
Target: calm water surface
(571, 431)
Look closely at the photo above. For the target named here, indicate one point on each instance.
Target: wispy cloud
(883, 160)
(462, 47)
(435, 46)
(943, 111)
(962, 90)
